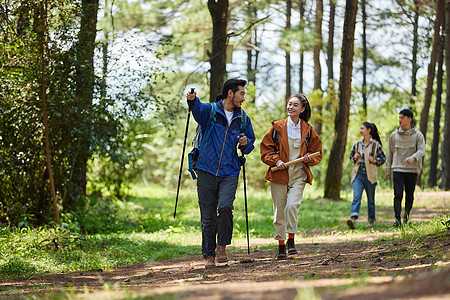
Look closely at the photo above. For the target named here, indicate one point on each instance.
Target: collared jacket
(375, 150)
(218, 154)
(269, 154)
(404, 144)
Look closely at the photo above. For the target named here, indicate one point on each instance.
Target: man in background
(404, 163)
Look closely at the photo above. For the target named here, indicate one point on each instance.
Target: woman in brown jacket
(285, 141)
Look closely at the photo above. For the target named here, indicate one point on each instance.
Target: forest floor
(330, 265)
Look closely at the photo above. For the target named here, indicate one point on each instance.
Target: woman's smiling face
(294, 107)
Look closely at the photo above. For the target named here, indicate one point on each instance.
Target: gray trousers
(215, 197)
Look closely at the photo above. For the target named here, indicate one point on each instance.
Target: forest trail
(377, 268)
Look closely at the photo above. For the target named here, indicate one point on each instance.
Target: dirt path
(387, 266)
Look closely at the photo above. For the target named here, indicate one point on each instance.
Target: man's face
(238, 97)
(404, 121)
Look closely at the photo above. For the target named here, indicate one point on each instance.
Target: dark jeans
(407, 182)
(215, 197)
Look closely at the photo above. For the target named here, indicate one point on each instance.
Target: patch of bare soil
(383, 269)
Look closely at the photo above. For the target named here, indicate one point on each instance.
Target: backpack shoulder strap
(307, 139)
(374, 145)
(243, 121)
(211, 122)
(275, 135)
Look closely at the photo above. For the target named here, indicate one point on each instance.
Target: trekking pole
(245, 194)
(182, 156)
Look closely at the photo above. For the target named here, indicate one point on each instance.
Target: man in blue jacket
(218, 165)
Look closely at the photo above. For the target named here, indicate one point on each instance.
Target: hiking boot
(209, 262)
(281, 254)
(397, 224)
(291, 247)
(351, 223)
(222, 254)
(371, 223)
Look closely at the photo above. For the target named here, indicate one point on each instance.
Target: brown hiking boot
(209, 262)
(222, 254)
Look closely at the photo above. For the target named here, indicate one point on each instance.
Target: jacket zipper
(223, 146)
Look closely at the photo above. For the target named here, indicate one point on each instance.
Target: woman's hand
(281, 165)
(306, 158)
(357, 157)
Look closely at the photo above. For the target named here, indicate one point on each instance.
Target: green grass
(142, 228)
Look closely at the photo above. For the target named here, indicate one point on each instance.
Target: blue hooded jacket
(218, 154)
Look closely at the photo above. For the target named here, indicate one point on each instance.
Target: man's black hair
(233, 85)
(407, 113)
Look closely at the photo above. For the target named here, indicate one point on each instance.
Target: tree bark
(364, 40)
(219, 14)
(43, 52)
(316, 58)
(85, 80)
(330, 46)
(252, 54)
(302, 56)
(288, 51)
(445, 146)
(334, 170)
(415, 66)
(330, 54)
(432, 179)
(431, 69)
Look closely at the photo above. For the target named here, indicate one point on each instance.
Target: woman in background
(367, 154)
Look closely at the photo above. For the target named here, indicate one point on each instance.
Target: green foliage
(78, 128)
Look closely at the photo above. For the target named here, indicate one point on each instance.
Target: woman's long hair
(373, 131)
(306, 114)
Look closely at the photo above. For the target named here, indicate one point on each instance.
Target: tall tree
(85, 81)
(364, 40)
(431, 68)
(334, 170)
(317, 67)
(432, 179)
(445, 146)
(288, 50)
(302, 56)
(219, 13)
(415, 49)
(331, 95)
(330, 45)
(252, 44)
(42, 31)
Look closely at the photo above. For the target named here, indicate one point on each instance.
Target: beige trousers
(287, 198)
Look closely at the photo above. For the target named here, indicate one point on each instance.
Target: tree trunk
(43, 52)
(85, 80)
(432, 179)
(302, 56)
(252, 43)
(317, 67)
(364, 86)
(415, 66)
(288, 51)
(330, 46)
(219, 14)
(334, 170)
(431, 69)
(330, 54)
(445, 146)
